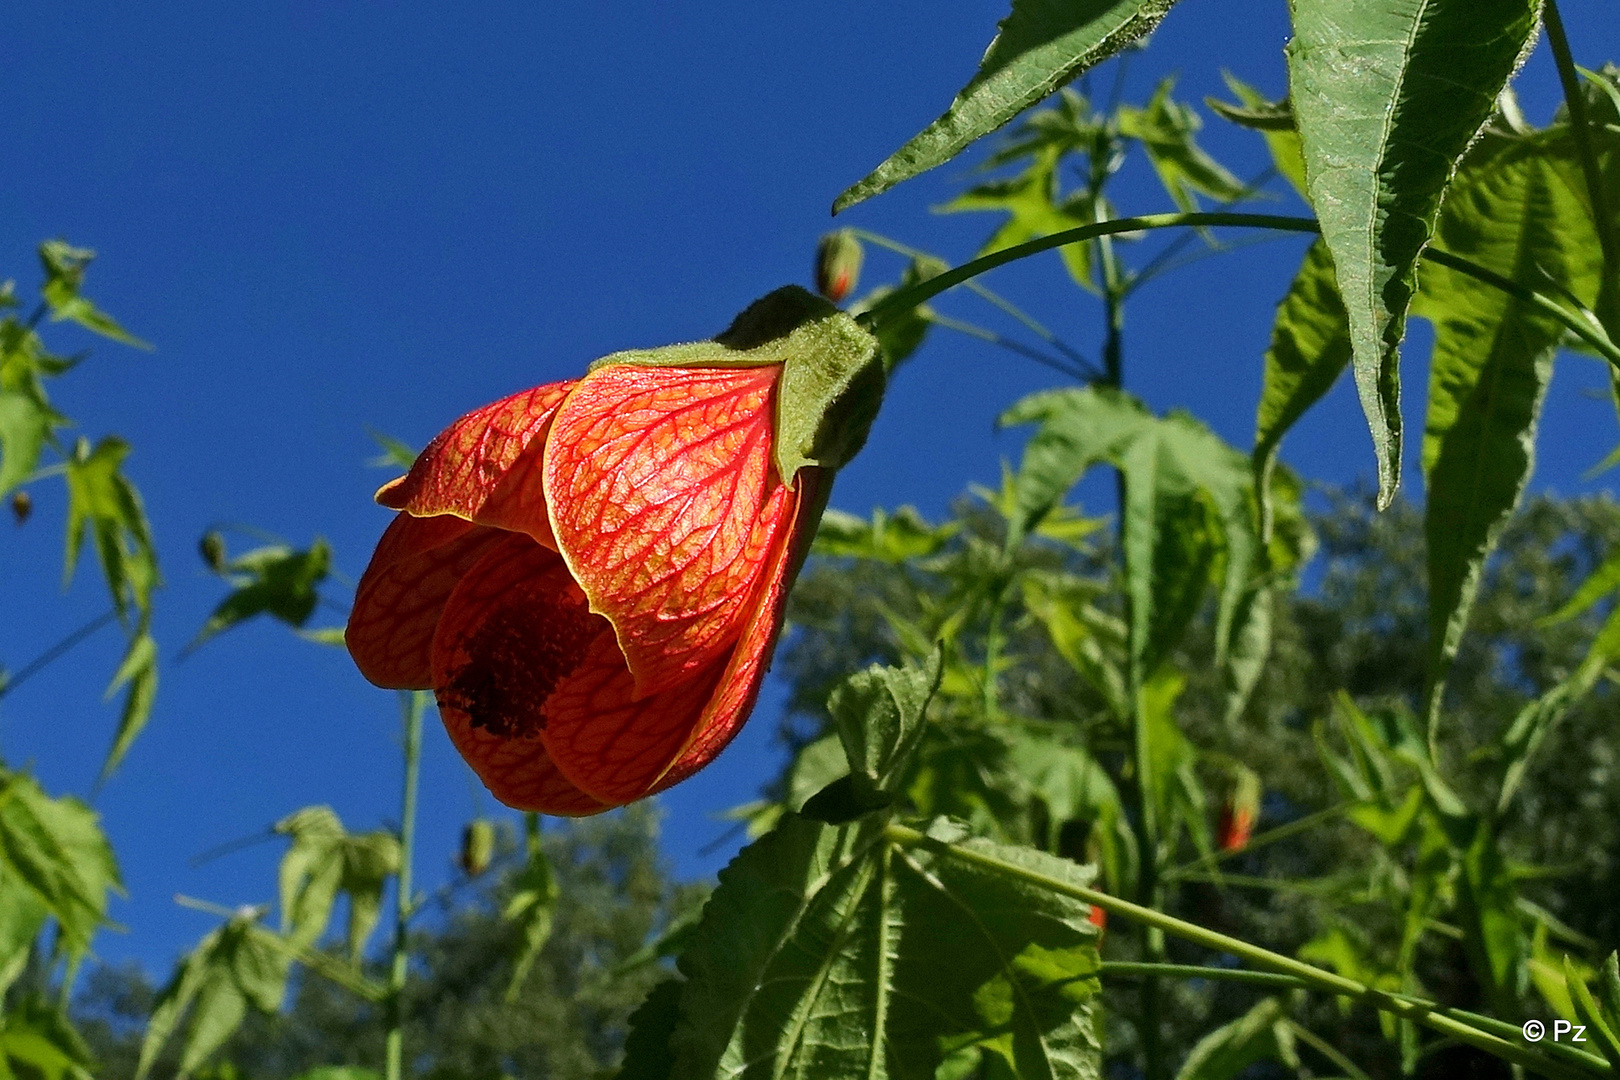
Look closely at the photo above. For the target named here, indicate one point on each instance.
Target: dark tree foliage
(569, 1020)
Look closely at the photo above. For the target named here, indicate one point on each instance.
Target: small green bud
(477, 846)
(22, 505)
(212, 549)
(838, 264)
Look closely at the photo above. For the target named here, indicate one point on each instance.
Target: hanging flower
(591, 574)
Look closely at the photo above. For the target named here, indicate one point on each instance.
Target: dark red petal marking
(739, 686)
(611, 743)
(513, 628)
(666, 504)
(484, 467)
(399, 599)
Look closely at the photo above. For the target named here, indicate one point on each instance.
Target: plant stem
(55, 652)
(412, 705)
(1580, 129)
(923, 291)
(1198, 971)
(1444, 1020)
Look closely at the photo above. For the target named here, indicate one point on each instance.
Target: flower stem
(1446, 1021)
(412, 705)
(904, 299)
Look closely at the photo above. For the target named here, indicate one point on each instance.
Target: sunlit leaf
(25, 424)
(64, 267)
(276, 581)
(1167, 130)
(1516, 207)
(102, 500)
(323, 861)
(38, 1042)
(1274, 120)
(237, 966)
(54, 849)
(1310, 347)
(1387, 96)
(886, 537)
(1041, 45)
(137, 676)
(819, 956)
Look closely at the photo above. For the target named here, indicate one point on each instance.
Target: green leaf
(1032, 201)
(1310, 347)
(1487, 900)
(1041, 45)
(103, 500)
(647, 1053)
(38, 1042)
(902, 334)
(370, 860)
(137, 675)
(236, 966)
(25, 424)
(1387, 96)
(55, 851)
(311, 872)
(1608, 1041)
(1516, 209)
(531, 908)
(1167, 130)
(339, 1072)
(1261, 1034)
(22, 917)
(64, 272)
(276, 581)
(1189, 506)
(395, 454)
(891, 538)
(1274, 120)
(819, 955)
(878, 714)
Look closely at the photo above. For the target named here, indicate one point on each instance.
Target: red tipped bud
(22, 505)
(1239, 813)
(477, 846)
(838, 264)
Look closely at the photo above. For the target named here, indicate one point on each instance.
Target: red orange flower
(591, 574)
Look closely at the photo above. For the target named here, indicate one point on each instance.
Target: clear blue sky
(334, 216)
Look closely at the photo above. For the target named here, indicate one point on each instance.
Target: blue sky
(333, 217)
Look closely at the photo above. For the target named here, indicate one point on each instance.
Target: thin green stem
(921, 292)
(945, 322)
(1327, 1050)
(412, 705)
(55, 652)
(1444, 1020)
(1581, 130)
(984, 293)
(1199, 971)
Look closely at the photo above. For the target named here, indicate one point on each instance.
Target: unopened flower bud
(212, 549)
(838, 264)
(22, 505)
(477, 846)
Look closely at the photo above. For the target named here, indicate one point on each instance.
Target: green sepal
(832, 377)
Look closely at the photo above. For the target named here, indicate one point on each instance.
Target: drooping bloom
(591, 574)
(1235, 825)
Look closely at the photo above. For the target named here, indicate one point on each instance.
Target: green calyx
(831, 383)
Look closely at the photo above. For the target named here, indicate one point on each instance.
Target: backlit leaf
(1387, 96)
(819, 956)
(276, 581)
(1041, 45)
(103, 501)
(137, 676)
(1167, 130)
(1516, 207)
(54, 850)
(1261, 1034)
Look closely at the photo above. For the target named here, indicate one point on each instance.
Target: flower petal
(399, 599)
(611, 743)
(739, 686)
(514, 626)
(665, 503)
(484, 467)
